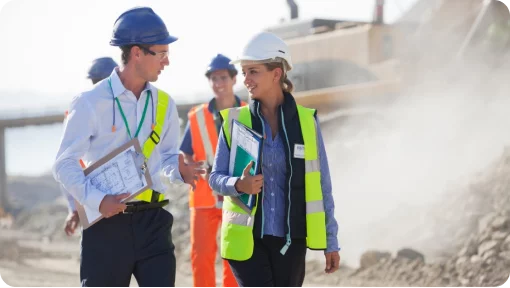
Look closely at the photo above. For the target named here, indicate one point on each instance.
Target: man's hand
(249, 184)
(207, 173)
(332, 262)
(72, 222)
(190, 171)
(111, 205)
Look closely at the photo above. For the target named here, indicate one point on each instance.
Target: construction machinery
(340, 64)
(336, 62)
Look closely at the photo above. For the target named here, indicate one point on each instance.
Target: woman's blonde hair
(285, 82)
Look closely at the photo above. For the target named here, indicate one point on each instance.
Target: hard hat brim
(258, 61)
(245, 58)
(168, 40)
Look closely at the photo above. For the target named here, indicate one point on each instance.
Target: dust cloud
(400, 169)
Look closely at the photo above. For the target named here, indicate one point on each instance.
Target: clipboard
(104, 173)
(246, 146)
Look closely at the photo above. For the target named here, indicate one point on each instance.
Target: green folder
(243, 158)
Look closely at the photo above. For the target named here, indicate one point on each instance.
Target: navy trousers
(138, 244)
(268, 268)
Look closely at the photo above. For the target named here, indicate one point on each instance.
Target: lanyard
(149, 95)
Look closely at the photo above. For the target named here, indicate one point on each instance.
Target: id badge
(140, 161)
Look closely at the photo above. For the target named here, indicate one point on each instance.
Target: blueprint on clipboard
(118, 172)
(246, 146)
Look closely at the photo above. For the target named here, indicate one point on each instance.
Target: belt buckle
(132, 208)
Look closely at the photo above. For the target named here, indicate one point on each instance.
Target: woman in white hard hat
(266, 245)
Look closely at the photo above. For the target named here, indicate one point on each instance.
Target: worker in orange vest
(98, 70)
(199, 144)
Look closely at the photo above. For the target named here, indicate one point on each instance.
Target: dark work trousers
(140, 244)
(267, 267)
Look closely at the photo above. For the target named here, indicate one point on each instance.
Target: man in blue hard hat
(101, 68)
(98, 70)
(198, 144)
(133, 237)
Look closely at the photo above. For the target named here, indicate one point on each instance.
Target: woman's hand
(249, 184)
(332, 262)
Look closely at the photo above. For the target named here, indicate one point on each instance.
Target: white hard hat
(265, 47)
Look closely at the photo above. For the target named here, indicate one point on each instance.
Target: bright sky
(49, 44)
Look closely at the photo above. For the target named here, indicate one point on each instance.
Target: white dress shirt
(69, 198)
(88, 136)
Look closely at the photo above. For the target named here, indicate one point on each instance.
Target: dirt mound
(25, 193)
(483, 261)
(476, 253)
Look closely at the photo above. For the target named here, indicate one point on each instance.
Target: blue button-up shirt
(275, 169)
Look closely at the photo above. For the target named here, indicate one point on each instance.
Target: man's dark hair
(126, 51)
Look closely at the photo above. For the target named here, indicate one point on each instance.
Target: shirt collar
(117, 86)
(212, 105)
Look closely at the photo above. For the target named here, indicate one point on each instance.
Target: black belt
(139, 206)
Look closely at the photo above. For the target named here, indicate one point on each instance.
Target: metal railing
(12, 114)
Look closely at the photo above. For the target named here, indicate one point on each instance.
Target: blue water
(31, 150)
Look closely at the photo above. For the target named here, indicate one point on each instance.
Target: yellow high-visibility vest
(237, 223)
(153, 140)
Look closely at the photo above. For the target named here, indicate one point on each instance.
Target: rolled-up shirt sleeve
(219, 180)
(78, 129)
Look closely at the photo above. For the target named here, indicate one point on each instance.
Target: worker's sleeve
(219, 180)
(327, 196)
(78, 130)
(186, 146)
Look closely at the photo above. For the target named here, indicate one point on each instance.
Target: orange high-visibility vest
(204, 137)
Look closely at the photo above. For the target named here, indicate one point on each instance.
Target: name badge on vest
(299, 151)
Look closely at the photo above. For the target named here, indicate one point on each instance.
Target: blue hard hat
(101, 68)
(220, 62)
(140, 25)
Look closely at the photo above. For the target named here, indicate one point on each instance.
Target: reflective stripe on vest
(203, 134)
(237, 224)
(204, 138)
(241, 114)
(315, 215)
(237, 239)
(153, 140)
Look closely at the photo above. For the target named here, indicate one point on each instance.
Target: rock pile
(476, 253)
